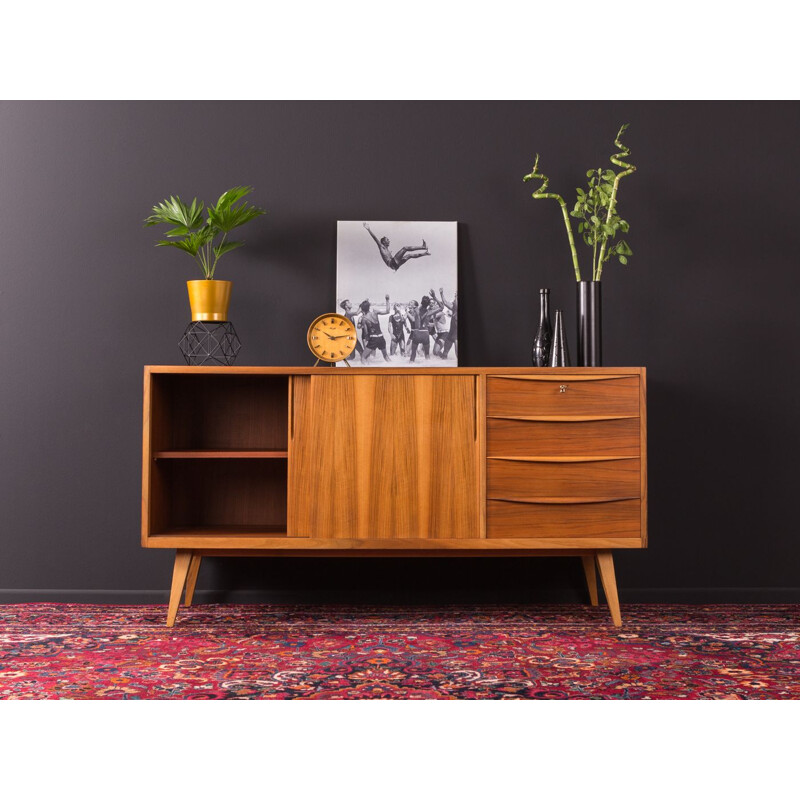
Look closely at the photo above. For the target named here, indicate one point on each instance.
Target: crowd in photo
(410, 332)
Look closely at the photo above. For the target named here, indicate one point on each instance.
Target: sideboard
(394, 462)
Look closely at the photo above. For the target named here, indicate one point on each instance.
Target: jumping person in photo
(371, 329)
(398, 324)
(351, 314)
(404, 254)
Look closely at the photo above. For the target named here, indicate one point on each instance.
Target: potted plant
(597, 209)
(206, 240)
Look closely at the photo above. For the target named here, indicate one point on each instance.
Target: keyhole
(562, 388)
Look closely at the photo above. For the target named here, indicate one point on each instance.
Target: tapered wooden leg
(191, 578)
(605, 563)
(591, 578)
(181, 569)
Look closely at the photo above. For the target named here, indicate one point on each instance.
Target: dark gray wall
(708, 305)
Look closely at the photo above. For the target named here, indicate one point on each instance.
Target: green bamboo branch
(616, 159)
(541, 193)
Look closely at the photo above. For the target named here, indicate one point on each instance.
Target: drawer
(531, 396)
(512, 520)
(519, 480)
(610, 437)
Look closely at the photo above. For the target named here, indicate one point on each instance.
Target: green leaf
(186, 246)
(227, 199)
(221, 249)
(226, 218)
(589, 173)
(192, 243)
(623, 260)
(175, 212)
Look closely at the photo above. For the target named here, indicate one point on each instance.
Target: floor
(736, 652)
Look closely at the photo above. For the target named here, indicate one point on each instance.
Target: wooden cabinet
(260, 460)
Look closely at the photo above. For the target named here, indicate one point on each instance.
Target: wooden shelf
(220, 454)
(278, 531)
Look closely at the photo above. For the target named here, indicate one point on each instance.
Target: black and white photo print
(397, 281)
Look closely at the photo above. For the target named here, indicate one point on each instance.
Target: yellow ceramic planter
(209, 300)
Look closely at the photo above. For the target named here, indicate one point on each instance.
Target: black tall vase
(590, 344)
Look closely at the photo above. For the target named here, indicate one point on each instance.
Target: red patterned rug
(315, 652)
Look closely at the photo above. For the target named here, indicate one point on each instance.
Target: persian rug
(452, 652)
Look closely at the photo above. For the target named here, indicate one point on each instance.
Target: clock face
(332, 337)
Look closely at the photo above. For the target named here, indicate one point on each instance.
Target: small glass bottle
(544, 336)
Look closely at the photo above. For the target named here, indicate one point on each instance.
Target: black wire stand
(214, 343)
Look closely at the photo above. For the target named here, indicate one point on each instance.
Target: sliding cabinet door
(383, 457)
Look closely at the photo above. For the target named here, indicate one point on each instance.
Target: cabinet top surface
(541, 371)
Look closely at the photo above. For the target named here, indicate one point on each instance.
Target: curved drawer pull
(549, 501)
(559, 418)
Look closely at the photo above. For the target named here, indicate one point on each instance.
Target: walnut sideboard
(394, 462)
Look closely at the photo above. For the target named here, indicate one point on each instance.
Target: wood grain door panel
(618, 519)
(612, 437)
(527, 395)
(523, 479)
(386, 457)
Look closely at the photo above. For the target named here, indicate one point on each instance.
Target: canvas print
(397, 281)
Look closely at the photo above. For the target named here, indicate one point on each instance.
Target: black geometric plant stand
(210, 343)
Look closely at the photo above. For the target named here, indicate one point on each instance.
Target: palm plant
(596, 208)
(195, 235)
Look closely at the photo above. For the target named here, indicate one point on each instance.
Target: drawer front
(612, 437)
(524, 479)
(509, 520)
(510, 396)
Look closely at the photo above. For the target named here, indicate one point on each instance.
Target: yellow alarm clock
(332, 338)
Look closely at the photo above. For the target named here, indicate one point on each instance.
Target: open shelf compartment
(230, 415)
(219, 455)
(214, 496)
